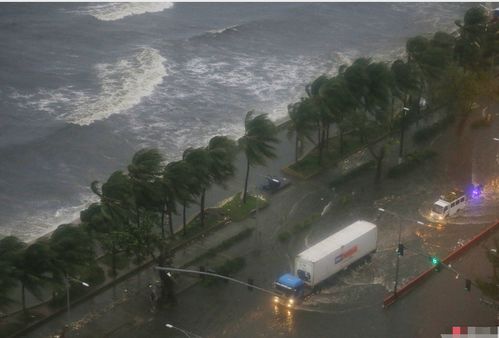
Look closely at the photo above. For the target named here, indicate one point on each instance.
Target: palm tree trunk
(296, 148)
(327, 135)
(113, 259)
(183, 218)
(321, 144)
(163, 222)
(170, 222)
(23, 297)
(341, 141)
(201, 216)
(246, 180)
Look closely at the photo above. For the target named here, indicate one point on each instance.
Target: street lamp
(68, 279)
(212, 274)
(185, 332)
(402, 129)
(399, 243)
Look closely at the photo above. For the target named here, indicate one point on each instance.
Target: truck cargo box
(336, 252)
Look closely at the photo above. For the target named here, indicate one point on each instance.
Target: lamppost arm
(185, 332)
(216, 275)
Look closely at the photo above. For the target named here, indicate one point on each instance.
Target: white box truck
(326, 258)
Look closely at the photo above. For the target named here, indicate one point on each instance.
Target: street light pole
(165, 268)
(402, 130)
(400, 218)
(67, 279)
(398, 260)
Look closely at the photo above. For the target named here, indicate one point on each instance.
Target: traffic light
(467, 285)
(435, 261)
(250, 281)
(400, 250)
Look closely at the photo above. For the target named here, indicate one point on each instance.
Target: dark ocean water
(83, 86)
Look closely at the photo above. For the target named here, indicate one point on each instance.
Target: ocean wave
(118, 11)
(123, 85)
(233, 28)
(264, 83)
(31, 226)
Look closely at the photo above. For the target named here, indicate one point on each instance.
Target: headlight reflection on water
(283, 318)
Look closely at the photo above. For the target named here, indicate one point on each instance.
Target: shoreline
(281, 123)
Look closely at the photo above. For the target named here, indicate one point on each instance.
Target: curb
(392, 298)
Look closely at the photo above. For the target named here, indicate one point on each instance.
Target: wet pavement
(350, 304)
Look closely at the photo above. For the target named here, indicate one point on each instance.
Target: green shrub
(228, 268)
(411, 161)
(231, 266)
(361, 169)
(224, 245)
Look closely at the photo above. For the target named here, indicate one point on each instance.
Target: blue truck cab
(290, 288)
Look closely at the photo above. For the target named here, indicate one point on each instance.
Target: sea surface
(85, 85)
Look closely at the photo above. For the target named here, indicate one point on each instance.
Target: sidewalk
(134, 284)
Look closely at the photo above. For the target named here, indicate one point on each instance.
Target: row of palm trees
(362, 97)
(132, 205)
(367, 98)
(45, 264)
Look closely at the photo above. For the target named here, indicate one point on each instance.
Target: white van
(448, 205)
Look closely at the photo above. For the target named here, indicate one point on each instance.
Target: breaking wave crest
(118, 11)
(123, 84)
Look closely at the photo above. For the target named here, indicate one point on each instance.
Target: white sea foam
(123, 85)
(264, 83)
(32, 226)
(225, 29)
(118, 11)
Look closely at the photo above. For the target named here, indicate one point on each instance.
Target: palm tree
(10, 251)
(222, 151)
(98, 219)
(31, 266)
(181, 181)
(301, 122)
(340, 102)
(370, 84)
(199, 161)
(321, 111)
(71, 249)
(257, 142)
(7, 282)
(144, 172)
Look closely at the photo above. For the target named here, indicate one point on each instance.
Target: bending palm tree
(257, 142)
(200, 161)
(183, 185)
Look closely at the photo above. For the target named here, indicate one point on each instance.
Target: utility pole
(402, 130)
(400, 249)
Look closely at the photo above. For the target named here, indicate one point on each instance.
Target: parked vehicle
(274, 183)
(325, 259)
(448, 205)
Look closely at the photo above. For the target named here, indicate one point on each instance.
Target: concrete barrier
(392, 298)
